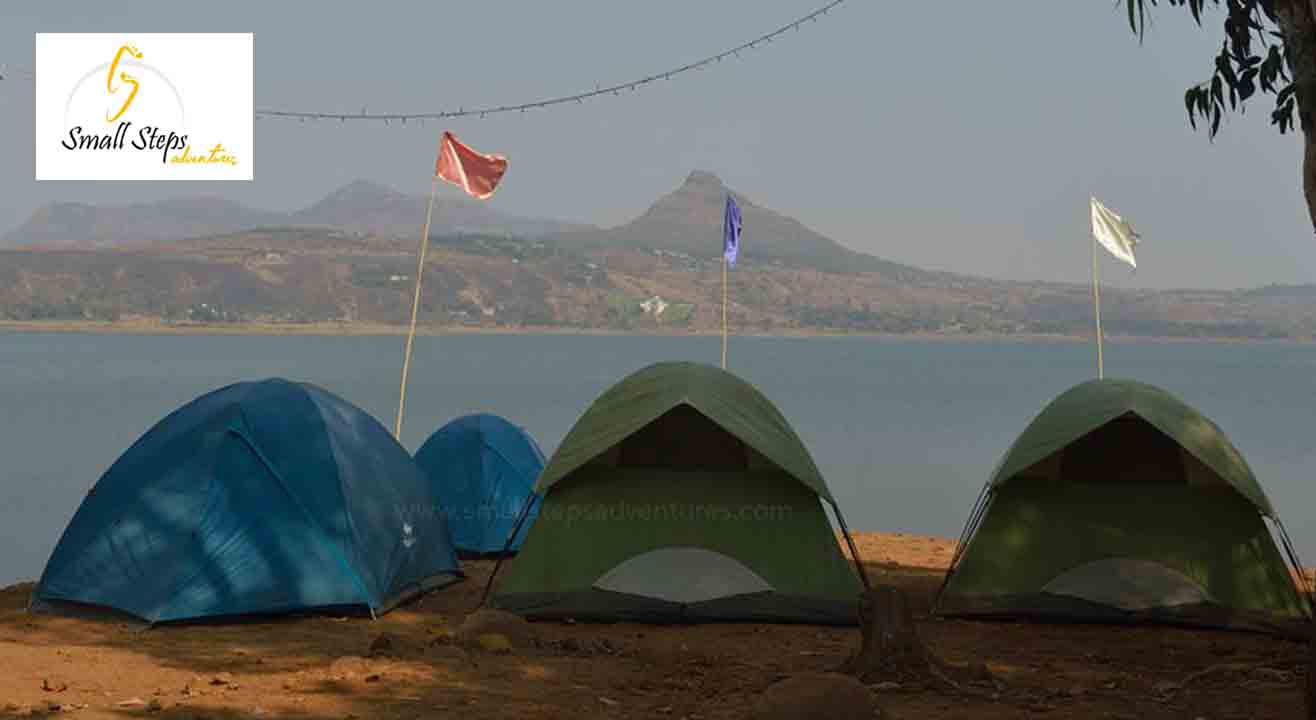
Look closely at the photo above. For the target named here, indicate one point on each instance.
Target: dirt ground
(323, 667)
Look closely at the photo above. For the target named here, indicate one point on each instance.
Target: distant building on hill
(654, 306)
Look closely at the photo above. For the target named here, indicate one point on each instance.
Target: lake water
(905, 431)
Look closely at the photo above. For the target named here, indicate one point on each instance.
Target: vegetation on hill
(347, 259)
(300, 275)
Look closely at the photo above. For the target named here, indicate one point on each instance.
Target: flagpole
(1096, 304)
(415, 307)
(724, 311)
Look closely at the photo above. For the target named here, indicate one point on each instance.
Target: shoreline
(336, 329)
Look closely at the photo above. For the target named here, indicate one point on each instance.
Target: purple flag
(731, 230)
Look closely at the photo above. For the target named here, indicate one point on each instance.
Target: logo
(123, 76)
(148, 106)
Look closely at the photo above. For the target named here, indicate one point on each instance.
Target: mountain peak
(703, 179)
(689, 220)
(361, 189)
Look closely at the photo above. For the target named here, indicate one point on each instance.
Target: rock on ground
(494, 622)
(386, 643)
(817, 696)
(448, 652)
(348, 667)
(495, 643)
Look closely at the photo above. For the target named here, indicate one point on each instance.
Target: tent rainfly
(682, 495)
(1119, 503)
(258, 498)
(483, 470)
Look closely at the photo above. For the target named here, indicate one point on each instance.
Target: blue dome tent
(483, 469)
(258, 498)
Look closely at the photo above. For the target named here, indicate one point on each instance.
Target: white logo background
(194, 84)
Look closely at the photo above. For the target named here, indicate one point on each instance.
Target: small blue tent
(257, 498)
(483, 469)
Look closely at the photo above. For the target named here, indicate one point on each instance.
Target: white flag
(1113, 233)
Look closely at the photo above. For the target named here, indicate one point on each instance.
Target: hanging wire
(483, 112)
(12, 72)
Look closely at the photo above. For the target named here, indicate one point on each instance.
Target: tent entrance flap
(1128, 584)
(682, 575)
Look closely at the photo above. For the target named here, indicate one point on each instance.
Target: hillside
(308, 275)
(359, 206)
(83, 225)
(367, 207)
(658, 272)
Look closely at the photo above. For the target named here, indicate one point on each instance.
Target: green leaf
(1276, 61)
(1246, 88)
(1283, 95)
(1225, 68)
(1283, 116)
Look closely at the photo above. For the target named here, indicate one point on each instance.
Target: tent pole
(970, 528)
(507, 546)
(1306, 587)
(854, 552)
(415, 307)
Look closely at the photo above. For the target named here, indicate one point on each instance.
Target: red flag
(476, 173)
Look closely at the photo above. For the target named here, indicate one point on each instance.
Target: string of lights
(618, 89)
(11, 72)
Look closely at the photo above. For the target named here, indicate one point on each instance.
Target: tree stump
(890, 645)
(891, 648)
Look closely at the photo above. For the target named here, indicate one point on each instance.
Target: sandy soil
(322, 667)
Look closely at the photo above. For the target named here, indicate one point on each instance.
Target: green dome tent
(1119, 503)
(682, 495)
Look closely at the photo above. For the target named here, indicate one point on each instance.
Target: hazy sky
(963, 136)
